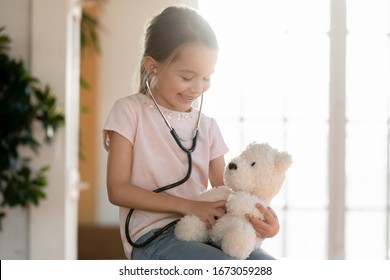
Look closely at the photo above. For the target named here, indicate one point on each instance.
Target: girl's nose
(197, 87)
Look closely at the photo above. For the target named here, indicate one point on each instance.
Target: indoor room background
(311, 77)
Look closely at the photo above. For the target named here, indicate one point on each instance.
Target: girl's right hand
(208, 212)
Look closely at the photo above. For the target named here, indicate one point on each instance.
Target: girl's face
(187, 77)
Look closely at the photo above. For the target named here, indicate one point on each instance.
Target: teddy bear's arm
(215, 194)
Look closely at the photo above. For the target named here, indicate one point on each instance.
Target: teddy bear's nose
(232, 166)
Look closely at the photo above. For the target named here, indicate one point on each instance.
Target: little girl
(180, 55)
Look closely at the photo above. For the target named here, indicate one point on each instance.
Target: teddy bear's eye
(253, 163)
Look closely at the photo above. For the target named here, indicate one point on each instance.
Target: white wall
(55, 59)
(45, 36)
(124, 23)
(14, 236)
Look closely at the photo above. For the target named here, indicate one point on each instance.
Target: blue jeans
(168, 247)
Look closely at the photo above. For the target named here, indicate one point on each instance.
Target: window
(367, 128)
(278, 77)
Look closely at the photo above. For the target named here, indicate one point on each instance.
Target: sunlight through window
(272, 79)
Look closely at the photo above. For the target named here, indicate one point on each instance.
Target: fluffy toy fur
(255, 176)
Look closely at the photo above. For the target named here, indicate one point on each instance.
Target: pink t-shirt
(157, 159)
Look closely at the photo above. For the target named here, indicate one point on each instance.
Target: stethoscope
(188, 151)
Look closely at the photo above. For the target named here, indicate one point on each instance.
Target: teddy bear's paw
(259, 242)
(238, 243)
(223, 225)
(191, 228)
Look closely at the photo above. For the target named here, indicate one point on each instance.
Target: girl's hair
(171, 29)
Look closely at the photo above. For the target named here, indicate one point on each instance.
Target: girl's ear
(150, 65)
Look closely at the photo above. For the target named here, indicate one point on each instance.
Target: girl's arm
(122, 193)
(216, 171)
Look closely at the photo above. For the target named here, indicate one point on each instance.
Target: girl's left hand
(269, 226)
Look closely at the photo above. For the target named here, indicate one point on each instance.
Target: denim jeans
(168, 247)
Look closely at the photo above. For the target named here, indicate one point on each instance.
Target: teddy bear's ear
(283, 161)
(250, 145)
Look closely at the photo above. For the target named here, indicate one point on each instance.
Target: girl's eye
(207, 79)
(187, 79)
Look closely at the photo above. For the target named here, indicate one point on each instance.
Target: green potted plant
(24, 101)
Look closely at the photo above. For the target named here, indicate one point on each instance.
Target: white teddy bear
(255, 176)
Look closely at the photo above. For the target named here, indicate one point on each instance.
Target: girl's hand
(208, 212)
(269, 226)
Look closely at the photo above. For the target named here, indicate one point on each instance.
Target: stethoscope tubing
(161, 189)
(188, 151)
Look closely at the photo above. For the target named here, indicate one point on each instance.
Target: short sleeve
(121, 119)
(218, 146)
